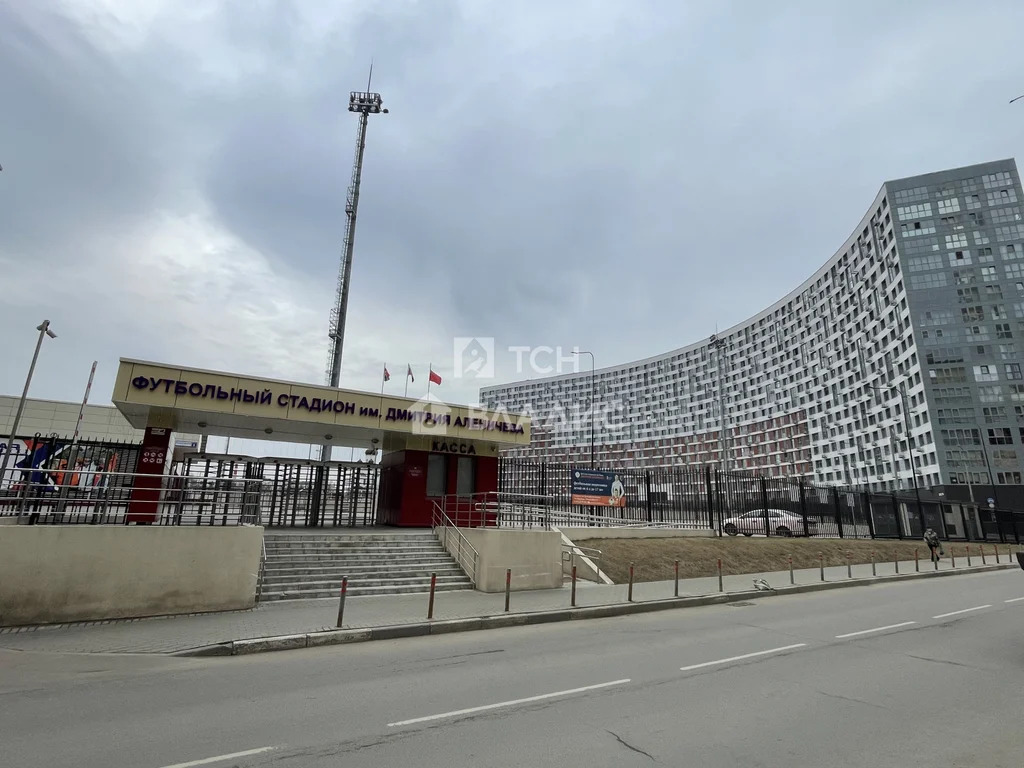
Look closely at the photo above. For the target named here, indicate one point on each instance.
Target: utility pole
(44, 331)
(593, 413)
(718, 345)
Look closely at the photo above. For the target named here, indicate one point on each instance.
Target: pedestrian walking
(931, 538)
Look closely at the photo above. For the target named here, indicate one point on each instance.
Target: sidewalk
(180, 633)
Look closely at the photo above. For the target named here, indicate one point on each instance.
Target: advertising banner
(597, 488)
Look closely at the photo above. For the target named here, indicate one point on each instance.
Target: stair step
(354, 591)
(357, 577)
(300, 571)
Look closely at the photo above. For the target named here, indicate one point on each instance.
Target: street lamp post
(44, 331)
(578, 352)
(718, 345)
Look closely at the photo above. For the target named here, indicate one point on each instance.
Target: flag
(387, 375)
(408, 373)
(434, 378)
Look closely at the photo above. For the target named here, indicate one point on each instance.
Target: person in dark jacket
(931, 538)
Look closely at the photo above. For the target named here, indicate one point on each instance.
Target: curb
(446, 626)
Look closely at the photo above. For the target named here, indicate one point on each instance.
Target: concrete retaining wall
(578, 534)
(535, 558)
(54, 574)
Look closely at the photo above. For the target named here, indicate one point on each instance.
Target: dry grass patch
(654, 558)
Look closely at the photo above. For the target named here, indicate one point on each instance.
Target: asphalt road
(877, 676)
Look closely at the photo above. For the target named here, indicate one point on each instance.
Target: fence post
(430, 602)
(999, 526)
(721, 588)
(341, 600)
(838, 510)
(963, 520)
(869, 512)
(629, 595)
(764, 505)
(898, 514)
(574, 586)
(647, 488)
(677, 579)
(803, 506)
(508, 587)
(709, 499)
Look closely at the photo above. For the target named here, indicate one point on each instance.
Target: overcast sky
(615, 175)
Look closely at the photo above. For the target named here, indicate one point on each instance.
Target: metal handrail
(441, 520)
(263, 569)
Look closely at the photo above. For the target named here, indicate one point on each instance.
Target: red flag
(408, 373)
(434, 378)
(387, 374)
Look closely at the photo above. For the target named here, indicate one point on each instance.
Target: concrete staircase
(305, 565)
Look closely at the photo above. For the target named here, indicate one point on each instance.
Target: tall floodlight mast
(365, 103)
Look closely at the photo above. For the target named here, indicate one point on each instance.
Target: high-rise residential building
(922, 308)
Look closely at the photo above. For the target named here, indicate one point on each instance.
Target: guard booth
(429, 448)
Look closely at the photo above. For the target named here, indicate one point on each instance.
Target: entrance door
(465, 477)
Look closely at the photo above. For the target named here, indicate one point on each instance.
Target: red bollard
(791, 578)
(430, 602)
(968, 548)
(952, 557)
(821, 565)
(721, 588)
(917, 563)
(574, 586)
(629, 596)
(982, 548)
(677, 579)
(341, 602)
(508, 587)
(996, 548)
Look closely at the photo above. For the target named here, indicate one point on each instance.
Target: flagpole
(383, 378)
(406, 381)
(430, 375)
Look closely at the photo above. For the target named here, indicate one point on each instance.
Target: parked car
(780, 523)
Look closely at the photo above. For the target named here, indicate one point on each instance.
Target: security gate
(293, 493)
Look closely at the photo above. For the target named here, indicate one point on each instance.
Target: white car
(780, 523)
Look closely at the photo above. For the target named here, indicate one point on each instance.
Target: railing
(262, 571)
(40, 497)
(461, 549)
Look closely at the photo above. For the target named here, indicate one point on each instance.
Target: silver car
(780, 523)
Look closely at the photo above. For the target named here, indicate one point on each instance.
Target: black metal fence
(84, 479)
(294, 494)
(737, 503)
(52, 480)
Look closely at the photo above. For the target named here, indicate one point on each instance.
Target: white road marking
(221, 758)
(512, 703)
(876, 629)
(957, 613)
(1014, 600)
(744, 656)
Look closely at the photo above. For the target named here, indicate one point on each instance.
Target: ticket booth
(414, 481)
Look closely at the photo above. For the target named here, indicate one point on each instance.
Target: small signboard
(597, 488)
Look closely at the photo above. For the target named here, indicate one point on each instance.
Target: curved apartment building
(915, 325)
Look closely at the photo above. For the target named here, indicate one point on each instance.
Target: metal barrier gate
(298, 493)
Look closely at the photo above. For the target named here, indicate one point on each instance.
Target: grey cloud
(549, 173)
